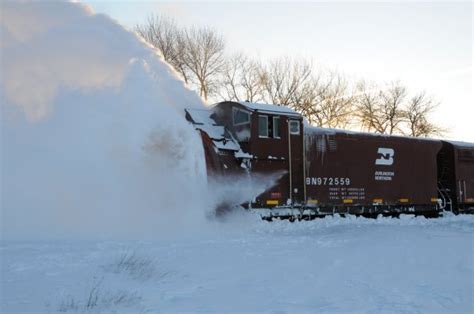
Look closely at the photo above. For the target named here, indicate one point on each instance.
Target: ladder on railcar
(446, 201)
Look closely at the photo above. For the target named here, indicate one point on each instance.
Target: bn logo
(385, 156)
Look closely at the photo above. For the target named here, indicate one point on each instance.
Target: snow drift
(330, 265)
(93, 135)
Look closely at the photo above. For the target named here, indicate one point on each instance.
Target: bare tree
(203, 56)
(282, 78)
(392, 112)
(325, 101)
(241, 80)
(335, 104)
(161, 32)
(382, 110)
(251, 81)
(304, 100)
(417, 114)
(230, 80)
(179, 63)
(369, 108)
(165, 35)
(198, 55)
(392, 107)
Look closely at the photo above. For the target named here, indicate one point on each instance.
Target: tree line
(325, 98)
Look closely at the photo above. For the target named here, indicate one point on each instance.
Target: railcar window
(276, 127)
(240, 116)
(294, 127)
(263, 126)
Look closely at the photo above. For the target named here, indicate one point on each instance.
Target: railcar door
(296, 161)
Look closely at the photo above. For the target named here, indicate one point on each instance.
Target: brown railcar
(456, 175)
(273, 136)
(359, 172)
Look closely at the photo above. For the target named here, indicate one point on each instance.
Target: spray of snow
(94, 141)
(234, 190)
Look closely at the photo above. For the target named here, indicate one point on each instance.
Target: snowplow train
(327, 171)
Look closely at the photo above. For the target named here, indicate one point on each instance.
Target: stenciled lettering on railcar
(328, 181)
(341, 193)
(384, 175)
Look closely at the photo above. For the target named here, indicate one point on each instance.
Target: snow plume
(229, 192)
(94, 141)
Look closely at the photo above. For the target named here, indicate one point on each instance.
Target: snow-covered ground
(407, 265)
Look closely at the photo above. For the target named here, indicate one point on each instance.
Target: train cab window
(262, 126)
(276, 127)
(294, 127)
(240, 116)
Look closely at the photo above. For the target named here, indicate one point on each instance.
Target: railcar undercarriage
(304, 213)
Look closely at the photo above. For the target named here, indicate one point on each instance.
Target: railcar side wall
(358, 169)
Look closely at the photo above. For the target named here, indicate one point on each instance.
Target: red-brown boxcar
(456, 175)
(360, 172)
(273, 136)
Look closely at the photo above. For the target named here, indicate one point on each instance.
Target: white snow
(201, 116)
(269, 108)
(243, 135)
(94, 139)
(407, 265)
(221, 138)
(241, 154)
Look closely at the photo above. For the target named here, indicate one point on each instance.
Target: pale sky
(426, 45)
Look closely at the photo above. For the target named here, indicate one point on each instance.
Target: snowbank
(331, 265)
(94, 141)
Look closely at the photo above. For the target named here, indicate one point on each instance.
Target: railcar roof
(319, 130)
(269, 108)
(460, 144)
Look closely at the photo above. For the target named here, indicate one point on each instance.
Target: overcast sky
(426, 45)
